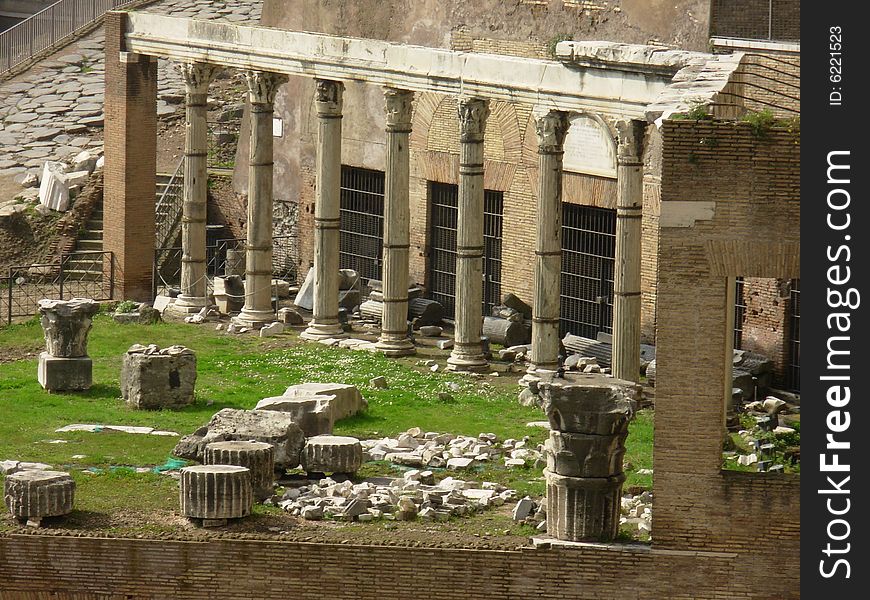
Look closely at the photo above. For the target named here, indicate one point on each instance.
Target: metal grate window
(588, 261)
(794, 338)
(739, 313)
(362, 221)
(442, 259)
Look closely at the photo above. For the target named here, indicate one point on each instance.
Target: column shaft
(262, 87)
(328, 102)
(194, 285)
(467, 354)
(394, 339)
(626, 285)
(551, 130)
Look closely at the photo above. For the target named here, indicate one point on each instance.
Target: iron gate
(794, 338)
(442, 258)
(362, 221)
(739, 312)
(588, 262)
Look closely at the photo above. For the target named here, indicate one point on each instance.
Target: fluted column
(394, 340)
(262, 87)
(194, 286)
(626, 285)
(327, 101)
(551, 129)
(467, 354)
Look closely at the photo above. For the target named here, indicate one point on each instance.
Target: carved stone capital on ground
(551, 128)
(328, 97)
(398, 109)
(473, 113)
(263, 86)
(629, 138)
(197, 76)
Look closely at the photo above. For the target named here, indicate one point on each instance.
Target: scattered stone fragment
(33, 494)
(154, 378)
(379, 382)
(216, 492)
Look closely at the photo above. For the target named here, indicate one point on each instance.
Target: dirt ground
(25, 239)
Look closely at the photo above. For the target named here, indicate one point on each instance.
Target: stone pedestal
(64, 374)
(257, 457)
(332, 454)
(152, 378)
(194, 286)
(328, 103)
(394, 340)
(257, 312)
(32, 495)
(551, 129)
(467, 353)
(583, 509)
(216, 492)
(626, 280)
(65, 364)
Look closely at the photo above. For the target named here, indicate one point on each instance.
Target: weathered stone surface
(348, 399)
(229, 294)
(589, 404)
(505, 332)
(216, 492)
(332, 454)
(584, 455)
(35, 493)
(64, 374)
(152, 378)
(305, 296)
(54, 189)
(272, 329)
(288, 316)
(268, 426)
(66, 324)
(257, 457)
(583, 509)
(312, 413)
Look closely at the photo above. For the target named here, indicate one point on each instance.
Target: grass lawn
(237, 371)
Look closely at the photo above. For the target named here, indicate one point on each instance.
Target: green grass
(238, 371)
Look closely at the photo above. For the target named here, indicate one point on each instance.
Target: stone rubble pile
(419, 449)
(636, 511)
(774, 421)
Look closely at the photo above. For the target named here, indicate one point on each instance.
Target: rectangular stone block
(65, 374)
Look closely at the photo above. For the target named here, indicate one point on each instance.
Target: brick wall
(90, 568)
(766, 80)
(130, 172)
(766, 321)
(750, 19)
(730, 207)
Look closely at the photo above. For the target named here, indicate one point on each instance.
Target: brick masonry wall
(730, 206)
(766, 320)
(90, 568)
(130, 173)
(749, 19)
(766, 80)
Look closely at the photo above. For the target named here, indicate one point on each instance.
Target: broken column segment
(215, 493)
(154, 378)
(65, 365)
(257, 457)
(589, 418)
(332, 454)
(31, 495)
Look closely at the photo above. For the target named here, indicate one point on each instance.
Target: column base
(188, 305)
(254, 319)
(391, 348)
(466, 361)
(64, 374)
(321, 331)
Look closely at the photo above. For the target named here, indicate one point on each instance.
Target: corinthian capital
(397, 106)
(629, 137)
(197, 76)
(328, 97)
(263, 86)
(551, 128)
(473, 113)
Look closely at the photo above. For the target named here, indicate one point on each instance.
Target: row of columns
(467, 355)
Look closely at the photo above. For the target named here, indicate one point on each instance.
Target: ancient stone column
(467, 354)
(262, 88)
(626, 285)
(257, 457)
(32, 495)
(215, 493)
(331, 454)
(65, 365)
(551, 129)
(394, 340)
(194, 285)
(327, 101)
